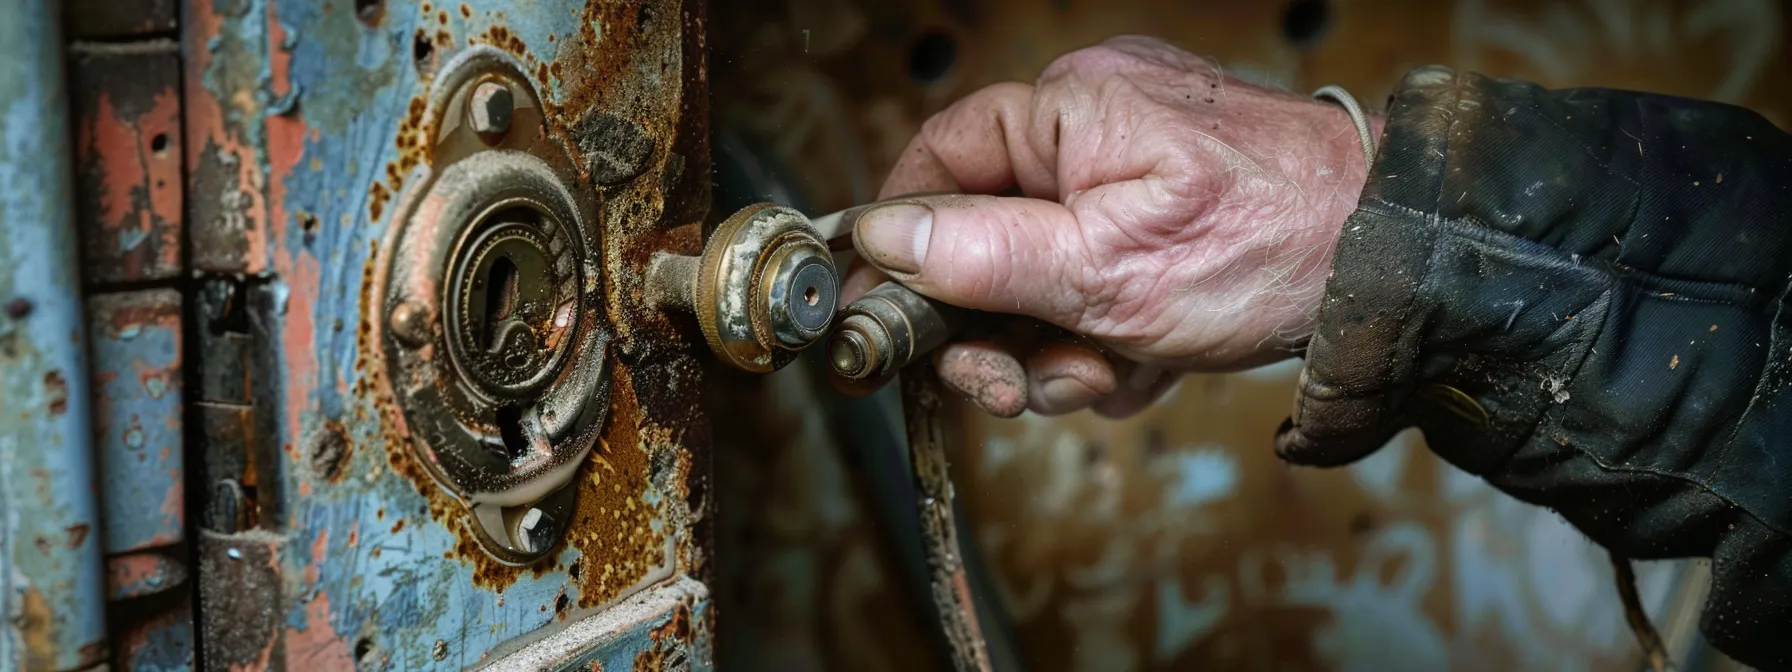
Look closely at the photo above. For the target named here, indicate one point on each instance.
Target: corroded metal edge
(658, 629)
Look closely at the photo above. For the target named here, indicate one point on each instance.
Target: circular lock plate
(489, 319)
(512, 301)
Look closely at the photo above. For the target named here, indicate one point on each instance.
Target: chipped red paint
(285, 137)
(316, 645)
(228, 228)
(128, 140)
(145, 573)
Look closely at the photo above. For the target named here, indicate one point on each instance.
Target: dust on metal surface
(51, 588)
(127, 145)
(303, 124)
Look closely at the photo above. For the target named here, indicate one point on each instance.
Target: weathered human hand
(1180, 218)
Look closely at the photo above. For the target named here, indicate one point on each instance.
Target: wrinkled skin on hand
(1176, 218)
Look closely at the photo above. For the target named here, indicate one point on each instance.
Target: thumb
(1009, 255)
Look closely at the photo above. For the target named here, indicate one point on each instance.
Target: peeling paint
(51, 581)
(128, 161)
(138, 427)
(311, 124)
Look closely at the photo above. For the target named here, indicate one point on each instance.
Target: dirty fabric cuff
(1582, 296)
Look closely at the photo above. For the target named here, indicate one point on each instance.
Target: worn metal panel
(303, 126)
(51, 589)
(137, 415)
(240, 577)
(127, 128)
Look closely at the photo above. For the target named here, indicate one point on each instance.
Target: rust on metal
(128, 161)
(56, 393)
(614, 532)
(669, 642)
(301, 141)
(921, 402)
(143, 573)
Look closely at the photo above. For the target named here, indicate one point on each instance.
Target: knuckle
(1088, 62)
(1139, 45)
(980, 108)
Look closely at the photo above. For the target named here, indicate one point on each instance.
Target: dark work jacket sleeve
(1581, 296)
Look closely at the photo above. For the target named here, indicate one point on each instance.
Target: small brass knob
(885, 330)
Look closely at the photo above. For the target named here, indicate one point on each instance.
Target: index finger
(986, 143)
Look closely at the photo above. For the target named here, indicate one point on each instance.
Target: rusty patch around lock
(653, 437)
(499, 447)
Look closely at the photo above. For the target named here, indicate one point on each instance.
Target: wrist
(1334, 187)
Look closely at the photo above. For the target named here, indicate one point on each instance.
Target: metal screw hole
(369, 11)
(363, 647)
(422, 51)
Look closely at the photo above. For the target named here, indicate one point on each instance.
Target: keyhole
(500, 298)
(510, 429)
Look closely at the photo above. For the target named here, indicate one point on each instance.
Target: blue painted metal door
(224, 456)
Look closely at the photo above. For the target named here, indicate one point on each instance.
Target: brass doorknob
(764, 289)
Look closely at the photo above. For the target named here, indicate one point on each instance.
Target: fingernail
(894, 236)
(1065, 394)
(994, 380)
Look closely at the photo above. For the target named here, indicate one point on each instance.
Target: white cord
(1338, 95)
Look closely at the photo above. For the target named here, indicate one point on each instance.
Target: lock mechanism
(765, 288)
(489, 309)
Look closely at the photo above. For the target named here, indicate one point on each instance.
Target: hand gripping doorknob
(764, 289)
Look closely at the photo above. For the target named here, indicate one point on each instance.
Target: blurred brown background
(1174, 540)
